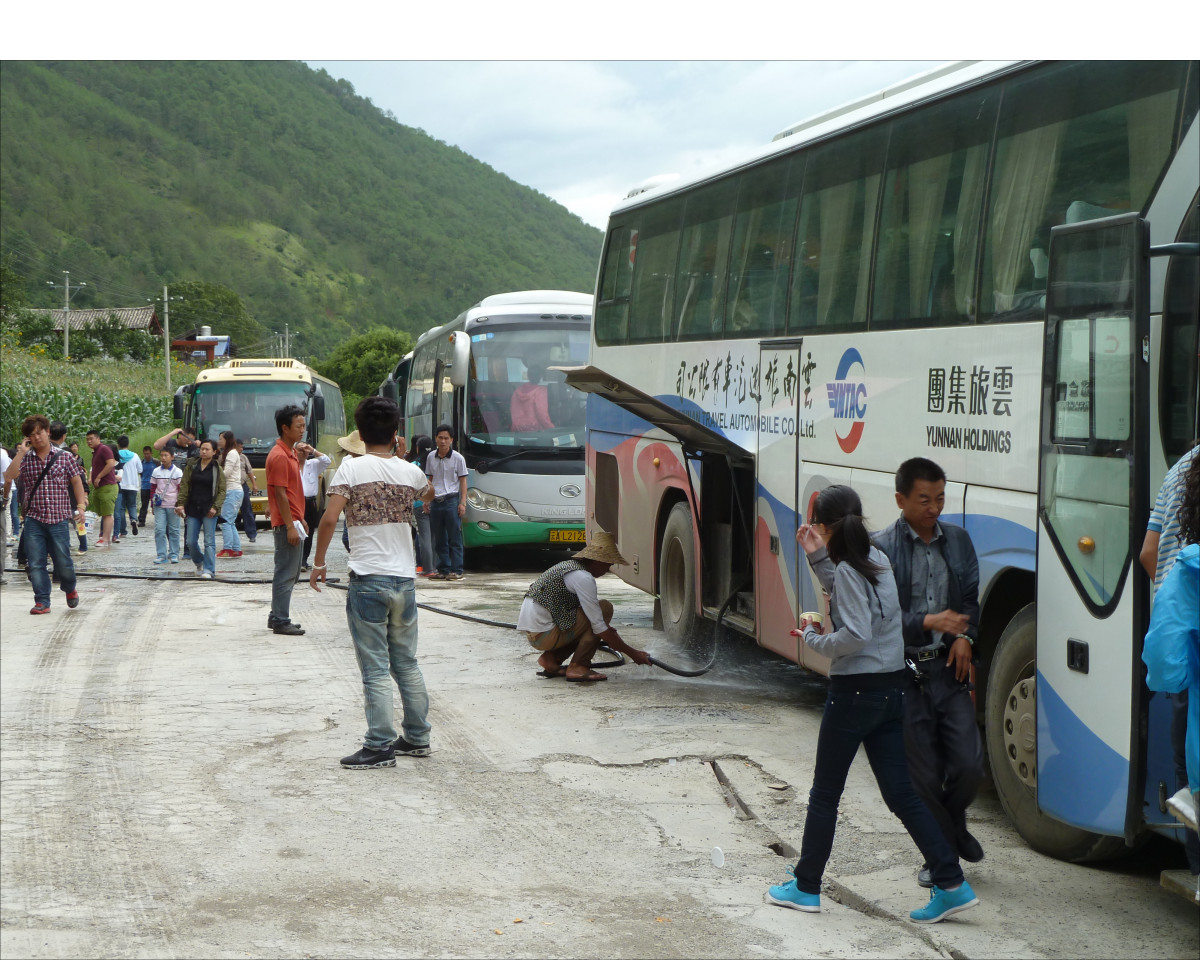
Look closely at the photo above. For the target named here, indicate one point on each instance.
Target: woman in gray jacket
(865, 705)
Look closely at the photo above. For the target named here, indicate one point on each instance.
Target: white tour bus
(491, 375)
(993, 266)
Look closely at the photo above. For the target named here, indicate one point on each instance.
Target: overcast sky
(585, 132)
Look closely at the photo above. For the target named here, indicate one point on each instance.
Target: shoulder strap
(42, 476)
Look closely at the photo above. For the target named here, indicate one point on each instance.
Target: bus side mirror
(389, 390)
(460, 365)
(318, 407)
(177, 403)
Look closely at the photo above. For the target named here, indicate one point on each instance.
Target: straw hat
(602, 548)
(353, 444)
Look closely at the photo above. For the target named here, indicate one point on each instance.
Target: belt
(445, 497)
(313, 497)
(925, 653)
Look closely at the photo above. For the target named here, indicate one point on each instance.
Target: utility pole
(287, 342)
(67, 294)
(166, 302)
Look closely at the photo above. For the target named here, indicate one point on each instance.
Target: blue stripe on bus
(1081, 779)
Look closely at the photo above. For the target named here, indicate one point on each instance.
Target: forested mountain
(318, 209)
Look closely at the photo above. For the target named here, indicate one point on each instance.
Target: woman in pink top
(530, 410)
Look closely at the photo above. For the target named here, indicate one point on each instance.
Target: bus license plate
(567, 536)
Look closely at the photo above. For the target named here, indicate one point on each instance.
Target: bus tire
(677, 575)
(1010, 732)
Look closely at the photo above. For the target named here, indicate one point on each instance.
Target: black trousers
(945, 751)
(312, 517)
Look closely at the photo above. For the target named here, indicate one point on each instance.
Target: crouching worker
(563, 617)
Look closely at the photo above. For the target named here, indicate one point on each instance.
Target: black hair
(122, 441)
(840, 510)
(285, 415)
(421, 445)
(377, 419)
(58, 430)
(33, 422)
(918, 468)
(230, 446)
(1189, 509)
(93, 433)
(444, 426)
(191, 431)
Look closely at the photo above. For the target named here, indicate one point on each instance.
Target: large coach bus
(491, 374)
(243, 395)
(993, 266)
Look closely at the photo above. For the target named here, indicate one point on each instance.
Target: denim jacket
(961, 562)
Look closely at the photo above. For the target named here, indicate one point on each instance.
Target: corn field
(111, 396)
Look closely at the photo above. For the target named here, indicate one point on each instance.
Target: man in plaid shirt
(50, 479)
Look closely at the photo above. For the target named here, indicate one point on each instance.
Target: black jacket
(963, 593)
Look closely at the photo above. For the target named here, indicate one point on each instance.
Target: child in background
(164, 492)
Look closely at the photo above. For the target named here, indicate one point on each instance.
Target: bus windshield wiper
(483, 466)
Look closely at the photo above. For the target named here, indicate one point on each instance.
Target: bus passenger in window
(530, 403)
(937, 575)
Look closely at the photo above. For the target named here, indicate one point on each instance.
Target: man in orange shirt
(285, 502)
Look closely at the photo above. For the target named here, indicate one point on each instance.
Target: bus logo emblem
(848, 400)
(569, 490)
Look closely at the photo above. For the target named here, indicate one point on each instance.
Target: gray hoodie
(869, 637)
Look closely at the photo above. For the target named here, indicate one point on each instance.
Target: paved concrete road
(170, 787)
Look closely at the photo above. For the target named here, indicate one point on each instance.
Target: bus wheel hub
(1020, 730)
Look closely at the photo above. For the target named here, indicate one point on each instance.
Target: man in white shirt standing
(377, 491)
(130, 466)
(447, 471)
(563, 617)
(311, 467)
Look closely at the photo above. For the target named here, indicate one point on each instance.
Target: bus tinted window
(1075, 142)
(616, 279)
(654, 273)
(1179, 421)
(837, 226)
(762, 248)
(929, 224)
(703, 259)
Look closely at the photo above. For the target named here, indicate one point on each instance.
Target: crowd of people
(900, 635)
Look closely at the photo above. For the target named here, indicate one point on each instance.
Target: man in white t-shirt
(377, 491)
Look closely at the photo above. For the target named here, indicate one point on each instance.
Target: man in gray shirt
(937, 577)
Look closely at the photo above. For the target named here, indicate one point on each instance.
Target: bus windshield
(247, 408)
(514, 398)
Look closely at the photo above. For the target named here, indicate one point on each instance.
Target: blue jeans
(382, 614)
(207, 559)
(14, 510)
(229, 511)
(859, 710)
(166, 533)
(287, 568)
(53, 539)
(127, 508)
(447, 534)
(423, 547)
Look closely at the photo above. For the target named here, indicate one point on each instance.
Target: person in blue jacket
(1172, 648)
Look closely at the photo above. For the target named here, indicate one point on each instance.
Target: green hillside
(274, 180)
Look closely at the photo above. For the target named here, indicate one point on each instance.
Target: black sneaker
(133, 523)
(367, 759)
(288, 629)
(404, 748)
(273, 621)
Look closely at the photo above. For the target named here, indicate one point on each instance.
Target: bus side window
(616, 279)
(929, 226)
(1077, 142)
(835, 233)
(762, 248)
(1178, 417)
(703, 257)
(654, 273)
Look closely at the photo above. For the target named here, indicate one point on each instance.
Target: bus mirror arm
(1176, 250)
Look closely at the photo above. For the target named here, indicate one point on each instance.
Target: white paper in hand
(300, 529)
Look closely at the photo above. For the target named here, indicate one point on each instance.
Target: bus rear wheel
(677, 575)
(1011, 734)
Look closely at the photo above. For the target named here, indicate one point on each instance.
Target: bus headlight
(486, 501)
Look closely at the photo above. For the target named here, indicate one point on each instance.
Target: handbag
(21, 555)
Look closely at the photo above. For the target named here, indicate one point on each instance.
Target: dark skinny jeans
(867, 709)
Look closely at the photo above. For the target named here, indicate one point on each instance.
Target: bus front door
(1092, 599)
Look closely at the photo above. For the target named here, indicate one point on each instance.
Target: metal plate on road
(567, 536)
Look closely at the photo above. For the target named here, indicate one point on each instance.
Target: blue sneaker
(787, 895)
(946, 903)
(160, 560)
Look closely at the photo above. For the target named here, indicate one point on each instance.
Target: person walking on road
(937, 579)
(149, 465)
(285, 501)
(249, 526)
(377, 492)
(865, 705)
(50, 483)
(104, 486)
(231, 466)
(447, 471)
(311, 468)
(201, 496)
(130, 485)
(562, 615)
(164, 494)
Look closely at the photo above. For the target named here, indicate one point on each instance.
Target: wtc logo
(848, 400)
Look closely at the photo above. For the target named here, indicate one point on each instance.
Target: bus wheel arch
(677, 574)
(1011, 738)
